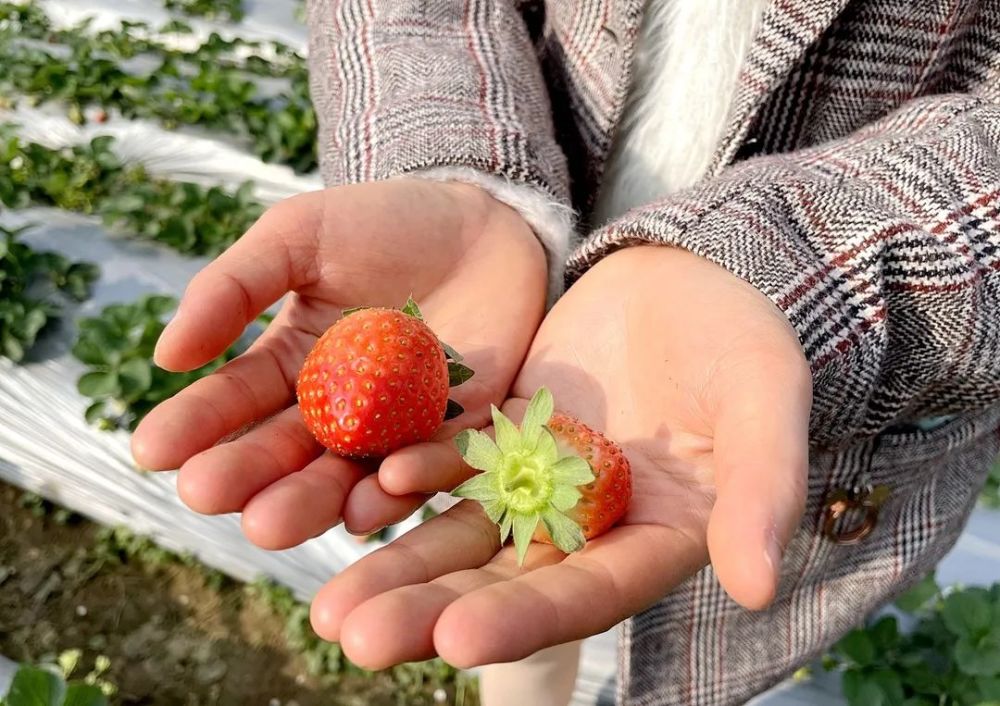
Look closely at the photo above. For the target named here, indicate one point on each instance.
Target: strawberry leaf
(546, 450)
(454, 409)
(565, 533)
(572, 470)
(508, 438)
(524, 528)
(458, 373)
(494, 509)
(505, 526)
(480, 487)
(538, 413)
(352, 310)
(411, 309)
(478, 450)
(451, 354)
(564, 497)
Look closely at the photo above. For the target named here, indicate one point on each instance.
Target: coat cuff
(551, 220)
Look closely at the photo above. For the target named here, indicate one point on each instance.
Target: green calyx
(525, 480)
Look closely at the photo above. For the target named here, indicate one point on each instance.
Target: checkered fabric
(857, 186)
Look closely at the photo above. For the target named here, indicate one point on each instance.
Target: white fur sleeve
(551, 221)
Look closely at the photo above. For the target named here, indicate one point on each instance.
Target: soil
(171, 638)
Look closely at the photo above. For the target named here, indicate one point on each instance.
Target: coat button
(862, 504)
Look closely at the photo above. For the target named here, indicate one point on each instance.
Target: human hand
(702, 382)
(474, 265)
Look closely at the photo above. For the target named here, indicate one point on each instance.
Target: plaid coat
(857, 186)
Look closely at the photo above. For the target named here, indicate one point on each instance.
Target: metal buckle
(840, 502)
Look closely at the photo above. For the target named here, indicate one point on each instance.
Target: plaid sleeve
(882, 249)
(407, 85)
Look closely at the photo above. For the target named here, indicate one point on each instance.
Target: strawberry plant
(209, 87)
(122, 381)
(231, 10)
(132, 38)
(90, 179)
(950, 658)
(553, 479)
(377, 381)
(33, 286)
(50, 684)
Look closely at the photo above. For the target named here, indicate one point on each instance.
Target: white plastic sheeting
(45, 444)
(47, 447)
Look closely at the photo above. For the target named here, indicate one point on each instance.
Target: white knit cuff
(551, 221)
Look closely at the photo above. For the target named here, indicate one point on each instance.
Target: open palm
(473, 264)
(702, 382)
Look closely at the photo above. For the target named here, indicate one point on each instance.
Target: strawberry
(376, 381)
(553, 479)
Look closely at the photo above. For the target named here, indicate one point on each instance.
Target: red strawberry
(377, 381)
(553, 479)
(603, 501)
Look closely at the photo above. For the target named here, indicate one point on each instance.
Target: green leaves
(453, 409)
(858, 647)
(35, 686)
(211, 86)
(84, 695)
(103, 384)
(978, 657)
(41, 686)
(951, 657)
(231, 10)
(33, 287)
(478, 450)
(919, 596)
(458, 373)
(411, 309)
(537, 415)
(968, 613)
(565, 533)
(89, 178)
(524, 528)
(117, 347)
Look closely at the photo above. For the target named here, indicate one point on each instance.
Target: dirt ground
(173, 637)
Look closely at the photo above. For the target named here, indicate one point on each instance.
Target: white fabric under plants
(47, 447)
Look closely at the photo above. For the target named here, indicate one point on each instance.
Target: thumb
(273, 257)
(761, 457)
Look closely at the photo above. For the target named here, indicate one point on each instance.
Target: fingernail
(163, 335)
(365, 533)
(773, 553)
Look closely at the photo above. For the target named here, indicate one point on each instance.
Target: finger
(254, 386)
(435, 466)
(616, 576)
(761, 450)
(373, 636)
(302, 505)
(424, 468)
(461, 538)
(369, 508)
(224, 478)
(275, 256)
